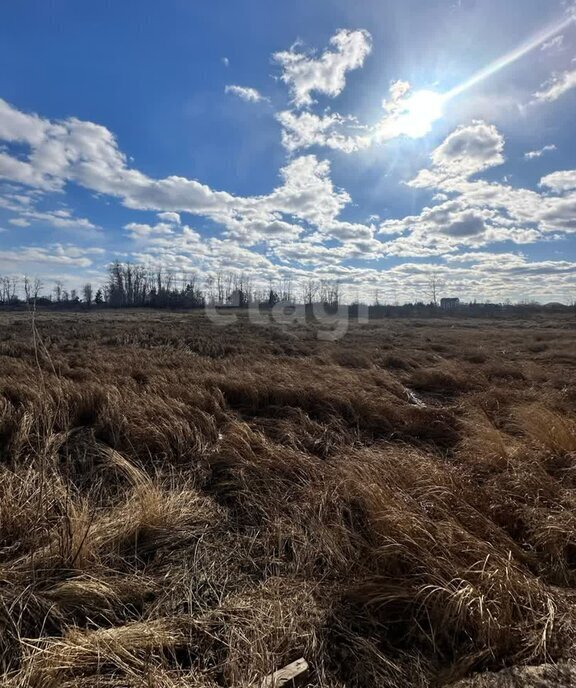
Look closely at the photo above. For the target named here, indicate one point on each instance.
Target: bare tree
(310, 290)
(285, 290)
(27, 289)
(36, 288)
(58, 289)
(87, 293)
(32, 288)
(220, 295)
(435, 283)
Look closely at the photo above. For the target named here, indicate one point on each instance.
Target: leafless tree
(58, 289)
(310, 290)
(32, 288)
(330, 292)
(285, 290)
(435, 283)
(87, 293)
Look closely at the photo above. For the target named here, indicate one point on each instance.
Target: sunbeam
(511, 57)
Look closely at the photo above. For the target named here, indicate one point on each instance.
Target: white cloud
(557, 86)
(143, 231)
(559, 214)
(19, 126)
(327, 74)
(305, 129)
(307, 192)
(470, 149)
(250, 95)
(26, 173)
(531, 155)
(345, 133)
(478, 213)
(62, 219)
(19, 222)
(398, 90)
(560, 181)
(300, 221)
(62, 254)
(465, 152)
(88, 155)
(170, 217)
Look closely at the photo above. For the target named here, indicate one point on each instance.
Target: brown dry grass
(183, 505)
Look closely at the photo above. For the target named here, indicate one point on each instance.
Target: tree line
(129, 285)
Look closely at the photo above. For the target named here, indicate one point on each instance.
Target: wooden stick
(282, 676)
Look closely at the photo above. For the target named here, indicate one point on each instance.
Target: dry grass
(183, 505)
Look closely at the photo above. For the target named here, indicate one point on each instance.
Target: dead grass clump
(550, 429)
(185, 507)
(503, 371)
(296, 430)
(553, 535)
(23, 614)
(353, 359)
(163, 428)
(442, 574)
(253, 476)
(430, 426)
(395, 362)
(108, 600)
(477, 357)
(269, 626)
(439, 381)
(126, 649)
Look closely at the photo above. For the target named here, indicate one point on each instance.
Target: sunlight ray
(511, 57)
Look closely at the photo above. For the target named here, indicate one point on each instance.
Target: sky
(376, 143)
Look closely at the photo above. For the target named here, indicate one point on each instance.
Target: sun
(420, 112)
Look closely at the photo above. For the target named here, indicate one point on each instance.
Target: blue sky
(376, 143)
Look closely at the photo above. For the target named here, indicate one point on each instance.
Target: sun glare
(421, 111)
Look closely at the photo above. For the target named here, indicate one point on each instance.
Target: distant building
(449, 304)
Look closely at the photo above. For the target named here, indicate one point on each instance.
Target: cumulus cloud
(144, 231)
(560, 214)
(24, 172)
(398, 90)
(299, 224)
(470, 149)
(87, 154)
(456, 220)
(308, 192)
(305, 129)
(560, 181)
(20, 126)
(557, 86)
(476, 213)
(246, 93)
(305, 74)
(304, 201)
(345, 133)
(170, 217)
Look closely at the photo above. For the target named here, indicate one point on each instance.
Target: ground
(183, 504)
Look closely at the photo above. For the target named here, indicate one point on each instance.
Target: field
(185, 505)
